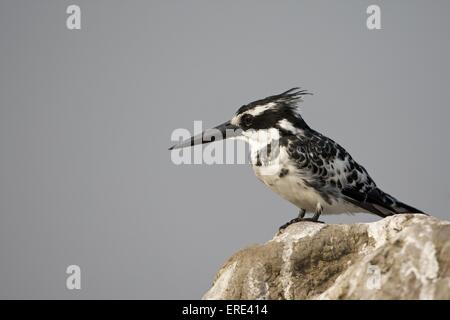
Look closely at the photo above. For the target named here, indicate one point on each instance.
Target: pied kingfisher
(298, 163)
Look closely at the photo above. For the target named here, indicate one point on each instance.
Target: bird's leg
(315, 217)
(317, 214)
(301, 217)
(301, 213)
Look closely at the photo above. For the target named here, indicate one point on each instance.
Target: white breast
(284, 179)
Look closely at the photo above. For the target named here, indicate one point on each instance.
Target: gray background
(86, 118)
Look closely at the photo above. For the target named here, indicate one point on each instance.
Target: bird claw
(298, 219)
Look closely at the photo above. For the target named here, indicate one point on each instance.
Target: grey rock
(400, 257)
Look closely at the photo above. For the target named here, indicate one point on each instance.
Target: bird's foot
(298, 219)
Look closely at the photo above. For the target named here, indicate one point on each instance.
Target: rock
(400, 257)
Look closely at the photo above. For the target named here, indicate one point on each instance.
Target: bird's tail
(401, 207)
(382, 204)
(388, 205)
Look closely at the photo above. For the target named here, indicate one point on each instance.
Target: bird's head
(274, 116)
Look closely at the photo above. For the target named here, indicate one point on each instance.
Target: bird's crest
(288, 99)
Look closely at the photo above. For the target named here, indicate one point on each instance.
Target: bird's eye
(247, 120)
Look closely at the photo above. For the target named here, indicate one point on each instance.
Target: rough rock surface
(400, 257)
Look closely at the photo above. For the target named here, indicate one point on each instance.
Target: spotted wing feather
(330, 169)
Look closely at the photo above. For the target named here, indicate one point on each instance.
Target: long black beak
(224, 131)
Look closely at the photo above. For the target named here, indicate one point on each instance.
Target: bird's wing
(330, 169)
(326, 163)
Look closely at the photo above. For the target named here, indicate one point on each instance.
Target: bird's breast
(282, 177)
(289, 185)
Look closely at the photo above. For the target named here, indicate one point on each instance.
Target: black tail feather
(378, 202)
(401, 207)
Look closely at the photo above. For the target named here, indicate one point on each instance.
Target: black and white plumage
(303, 166)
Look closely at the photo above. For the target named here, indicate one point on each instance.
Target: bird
(298, 163)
